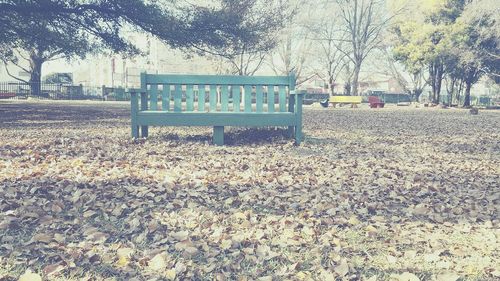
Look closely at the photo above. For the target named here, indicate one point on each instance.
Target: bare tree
(333, 45)
(293, 52)
(244, 53)
(246, 62)
(292, 55)
(363, 21)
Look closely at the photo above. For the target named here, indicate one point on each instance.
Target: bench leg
(218, 137)
(298, 135)
(144, 131)
(291, 131)
(135, 131)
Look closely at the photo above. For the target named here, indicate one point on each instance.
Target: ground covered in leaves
(389, 194)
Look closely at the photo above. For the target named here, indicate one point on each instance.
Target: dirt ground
(399, 193)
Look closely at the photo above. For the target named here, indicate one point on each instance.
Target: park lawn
(386, 194)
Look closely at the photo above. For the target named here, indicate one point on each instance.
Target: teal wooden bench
(217, 101)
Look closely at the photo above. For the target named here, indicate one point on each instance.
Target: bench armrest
(132, 90)
(296, 93)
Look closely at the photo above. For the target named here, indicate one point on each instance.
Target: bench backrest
(345, 99)
(223, 93)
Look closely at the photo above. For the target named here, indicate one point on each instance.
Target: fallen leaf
(448, 276)
(123, 261)
(405, 276)
(342, 269)
(170, 274)
(42, 237)
(391, 259)
(226, 244)
(52, 269)
(124, 252)
(157, 263)
(30, 276)
(180, 236)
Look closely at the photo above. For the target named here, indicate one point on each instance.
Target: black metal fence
(17, 90)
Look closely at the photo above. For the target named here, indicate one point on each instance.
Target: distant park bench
(353, 100)
(216, 101)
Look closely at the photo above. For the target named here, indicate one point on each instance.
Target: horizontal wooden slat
(216, 79)
(160, 118)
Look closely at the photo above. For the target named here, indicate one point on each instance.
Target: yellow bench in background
(353, 100)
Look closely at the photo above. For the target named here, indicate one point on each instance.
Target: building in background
(118, 71)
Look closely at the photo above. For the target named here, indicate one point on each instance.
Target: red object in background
(6, 95)
(375, 102)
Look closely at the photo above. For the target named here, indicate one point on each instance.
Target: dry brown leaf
(53, 269)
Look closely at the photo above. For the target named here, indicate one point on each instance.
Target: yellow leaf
(226, 244)
(336, 241)
(170, 274)
(303, 275)
(122, 261)
(353, 220)
(371, 230)
(240, 215)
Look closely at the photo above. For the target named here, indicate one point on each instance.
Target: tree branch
(8, 73)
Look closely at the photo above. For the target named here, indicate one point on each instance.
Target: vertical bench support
(218, 137)
(134, 109)
(298, 118)
(144, 106)
(291, 101)
(291, 108)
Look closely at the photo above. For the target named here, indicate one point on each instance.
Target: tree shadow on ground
(234, 136)
(44, 113)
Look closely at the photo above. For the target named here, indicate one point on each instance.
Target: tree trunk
(460, 90)
(436, 77)
(331, 84)
(355, 78)
(35, 75)
(468, 86)
(417, 93)
(432, 77)
(347, 89)
(439, 80)
(453, 82)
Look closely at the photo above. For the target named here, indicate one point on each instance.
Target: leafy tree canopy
(103, 21)
(42, 30)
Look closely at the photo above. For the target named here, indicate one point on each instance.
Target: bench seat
(240, 119)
